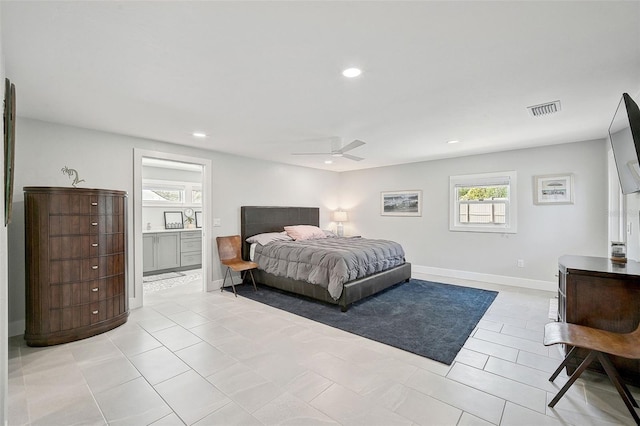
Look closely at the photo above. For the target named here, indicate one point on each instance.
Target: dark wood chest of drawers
(76, 253)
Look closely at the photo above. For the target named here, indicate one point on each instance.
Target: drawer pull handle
(94, 223)
(94, 203)
(94, 245)
(95, 312)
(94, 267)
(94, 289)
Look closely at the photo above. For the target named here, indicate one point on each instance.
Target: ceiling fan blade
(310, 153)
(352, 157)
(356, 143)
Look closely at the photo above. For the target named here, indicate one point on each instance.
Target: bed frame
(258, 219)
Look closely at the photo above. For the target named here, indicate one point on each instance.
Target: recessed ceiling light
(351, 72)
(328, 162)
(453, 141)
(199, 135)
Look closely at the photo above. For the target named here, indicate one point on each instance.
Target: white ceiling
(263, 79)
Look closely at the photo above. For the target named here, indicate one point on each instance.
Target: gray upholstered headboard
(259, 219)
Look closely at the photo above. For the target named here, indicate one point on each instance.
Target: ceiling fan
(340, 152)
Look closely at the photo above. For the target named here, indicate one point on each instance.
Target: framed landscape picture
(401, 203)
(553, 189)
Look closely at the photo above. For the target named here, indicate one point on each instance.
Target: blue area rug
(426, 318)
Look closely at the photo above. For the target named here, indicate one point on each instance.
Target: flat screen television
(624, 134)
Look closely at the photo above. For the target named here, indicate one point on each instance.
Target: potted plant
(188, 214)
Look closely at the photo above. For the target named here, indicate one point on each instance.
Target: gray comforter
(329, 262)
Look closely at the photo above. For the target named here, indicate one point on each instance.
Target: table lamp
(340, 216)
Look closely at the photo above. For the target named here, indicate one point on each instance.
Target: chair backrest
(229, 247)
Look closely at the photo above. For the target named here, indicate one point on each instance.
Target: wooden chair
(229, 252)
(600, 344)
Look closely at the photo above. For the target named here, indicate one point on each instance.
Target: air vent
(544, 109)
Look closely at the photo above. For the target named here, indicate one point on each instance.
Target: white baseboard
(214, 285)
(16, 328)
(421, 272)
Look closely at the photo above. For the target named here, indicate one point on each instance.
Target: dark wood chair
(600, 344)
(229, 249)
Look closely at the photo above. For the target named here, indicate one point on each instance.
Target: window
(196, 196)
(170, 193)
(159, 193)
(483, 202)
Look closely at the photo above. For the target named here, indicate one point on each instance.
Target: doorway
(171, 239)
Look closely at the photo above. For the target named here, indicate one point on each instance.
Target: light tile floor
(198, 358)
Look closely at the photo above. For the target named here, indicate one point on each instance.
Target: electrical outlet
(520, 263)
(216, 221)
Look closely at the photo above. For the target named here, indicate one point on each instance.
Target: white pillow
(304, 232)
(268, 237)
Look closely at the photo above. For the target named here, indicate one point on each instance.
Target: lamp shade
(340, 216)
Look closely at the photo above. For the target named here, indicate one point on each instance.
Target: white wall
(105, 160)
(545, 232)
(631, 219)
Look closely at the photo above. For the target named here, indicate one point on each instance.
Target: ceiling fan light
(351, 72)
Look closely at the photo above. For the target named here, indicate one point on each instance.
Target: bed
(263, 219)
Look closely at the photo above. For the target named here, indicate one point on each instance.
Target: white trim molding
(509, 203)
(426, 272)
(135, 258)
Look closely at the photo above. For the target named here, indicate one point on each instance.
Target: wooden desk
(596, 292)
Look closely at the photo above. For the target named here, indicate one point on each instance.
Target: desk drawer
(191, 245)
(191, 235)
(190, 259)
